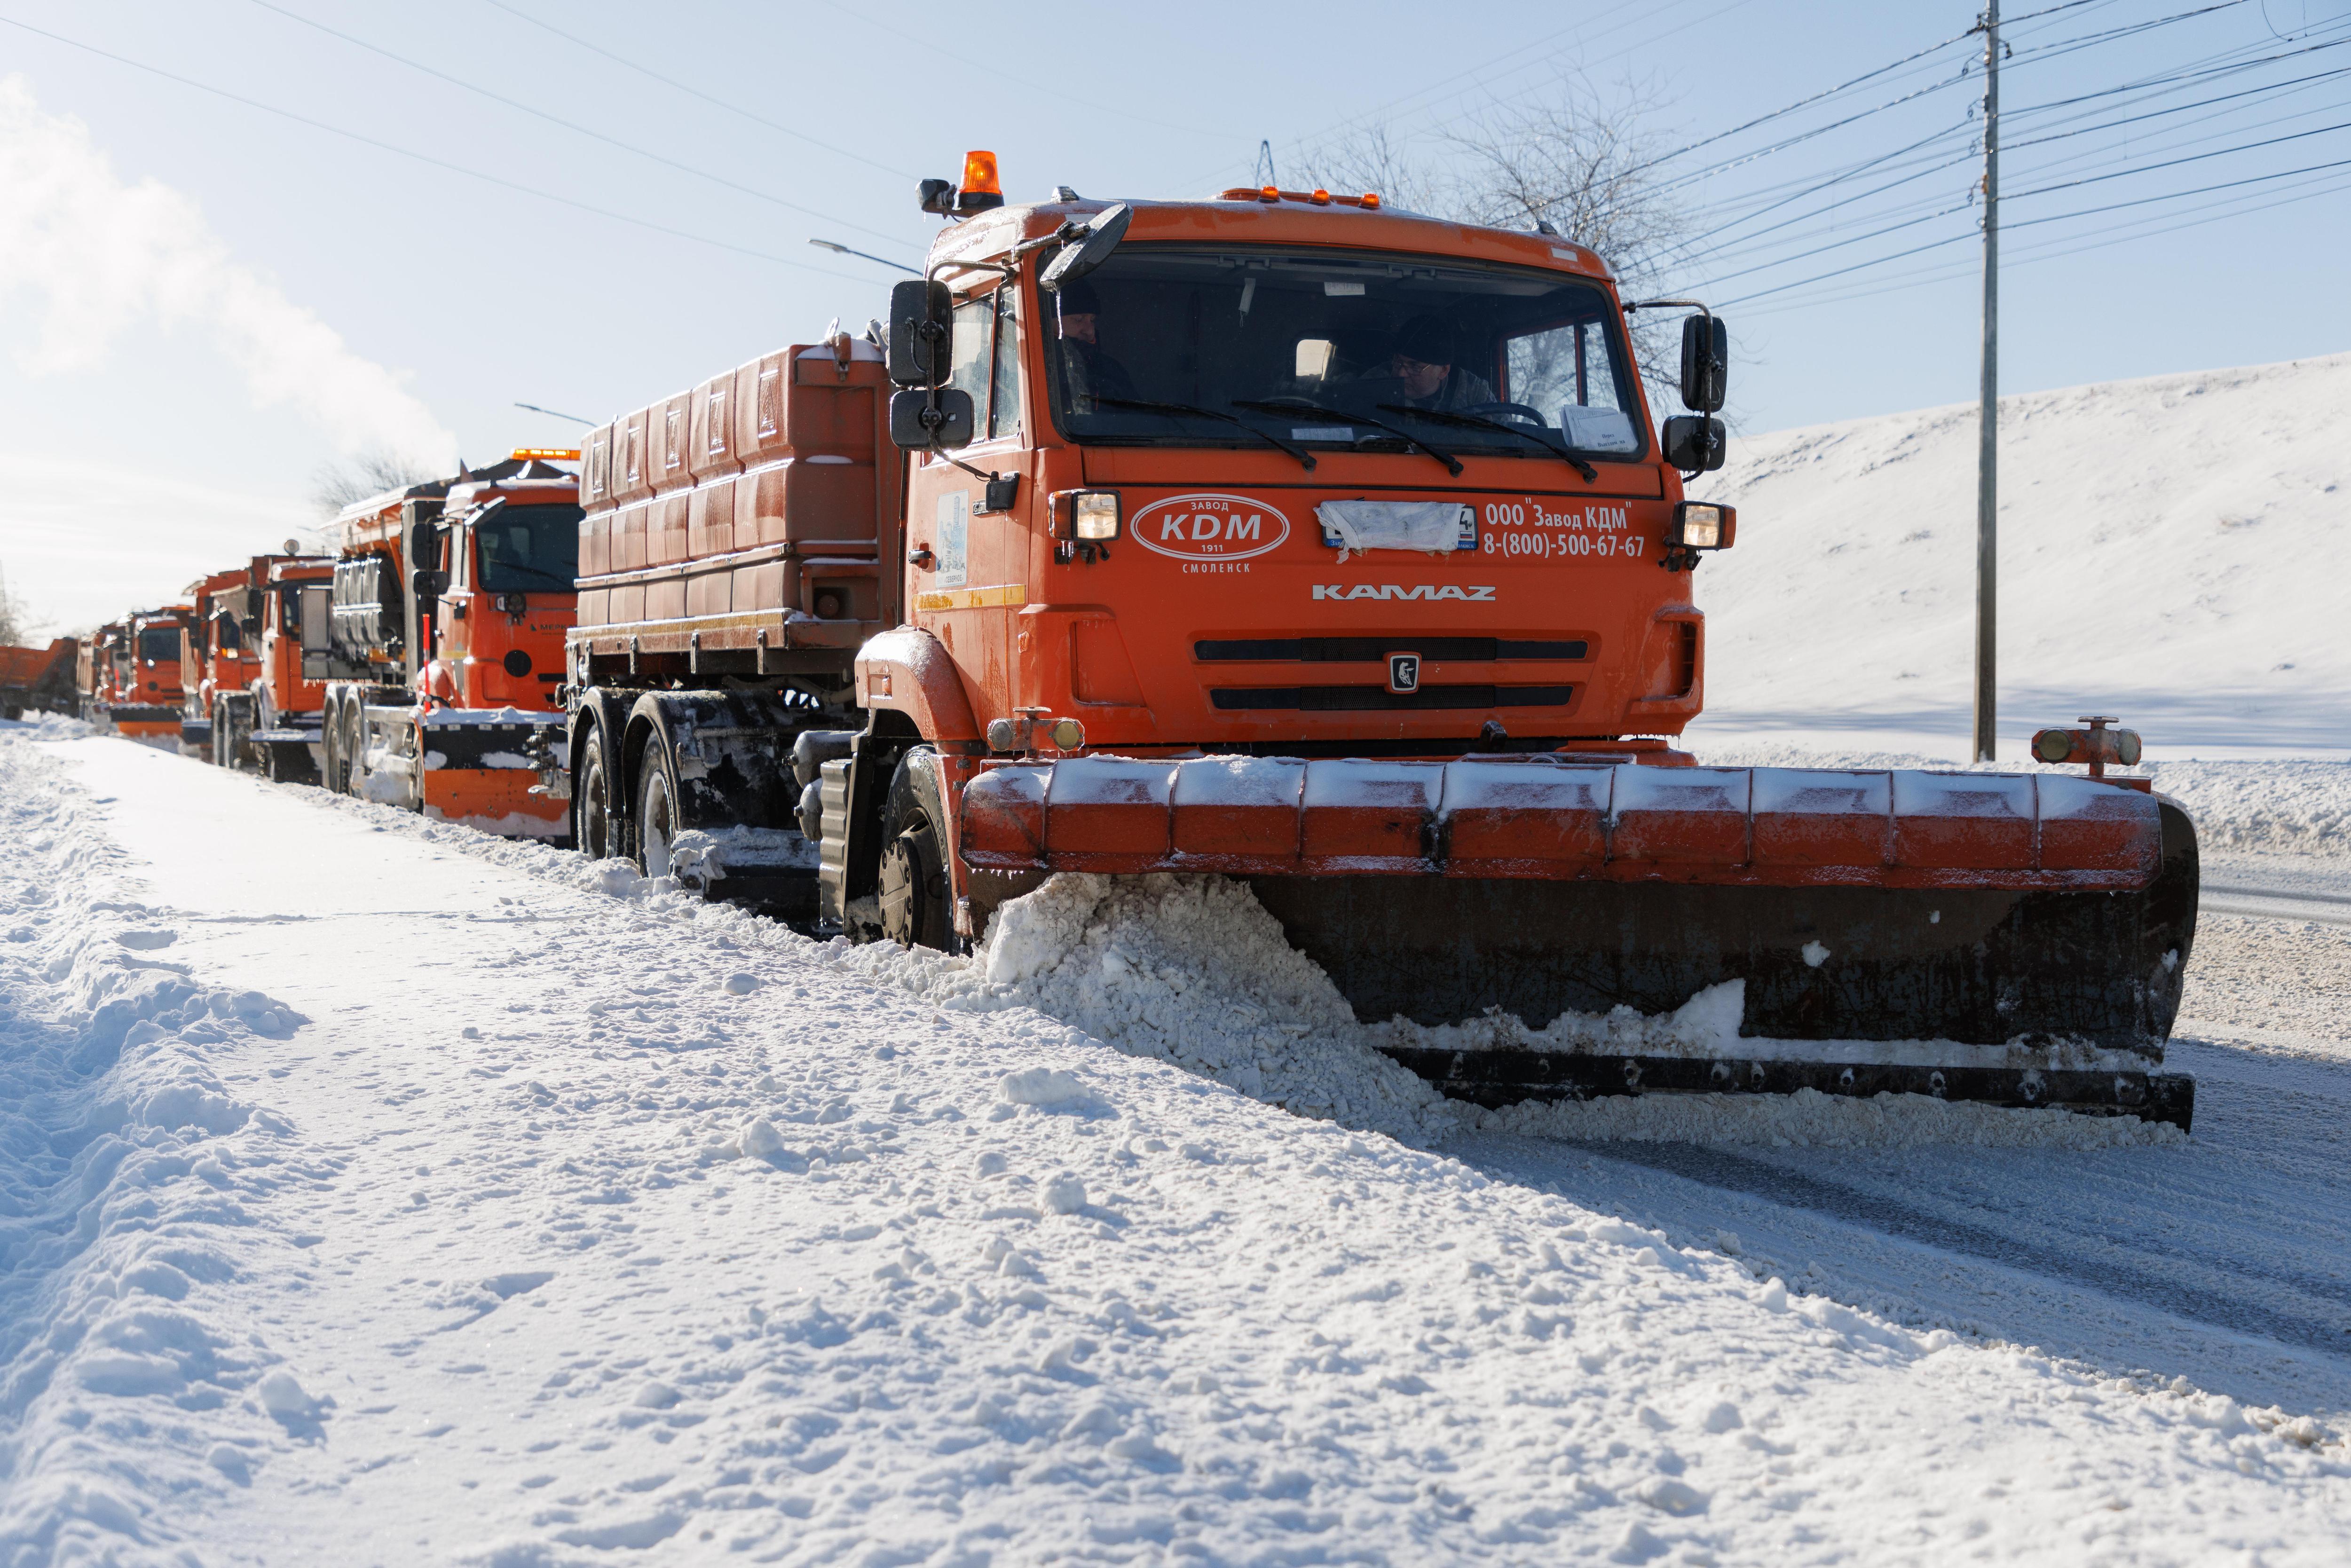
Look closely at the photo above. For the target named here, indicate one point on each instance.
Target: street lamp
(845, 250)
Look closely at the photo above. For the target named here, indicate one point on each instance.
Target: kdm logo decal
(1400, 591)
(1209, 528)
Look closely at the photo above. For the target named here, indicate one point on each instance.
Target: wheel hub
(907, 877)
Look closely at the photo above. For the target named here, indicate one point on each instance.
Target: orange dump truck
(1286, 538)
(451, 602)
(39, 679)
(215, 657)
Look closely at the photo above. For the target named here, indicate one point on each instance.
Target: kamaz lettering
(1473, 595)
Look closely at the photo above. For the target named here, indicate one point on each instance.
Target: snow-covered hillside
(2175, 550)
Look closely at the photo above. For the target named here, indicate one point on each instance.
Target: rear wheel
(331, 743)
(914, 880)
(595, 826)
(657, 825)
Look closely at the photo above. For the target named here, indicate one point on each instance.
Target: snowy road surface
(377, 1192)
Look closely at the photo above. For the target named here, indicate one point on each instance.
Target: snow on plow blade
(2049, 914)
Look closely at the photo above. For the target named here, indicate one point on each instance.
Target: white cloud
(102, 255)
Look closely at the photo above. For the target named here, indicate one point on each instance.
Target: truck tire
(657, 815)
(914, 880)
(596, 826)
(331, 743)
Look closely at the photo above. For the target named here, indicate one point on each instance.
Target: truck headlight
(1093, 514)
(1702, 525)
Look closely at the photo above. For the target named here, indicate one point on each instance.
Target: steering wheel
(1489, 409)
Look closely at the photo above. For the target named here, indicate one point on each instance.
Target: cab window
(1004, 399)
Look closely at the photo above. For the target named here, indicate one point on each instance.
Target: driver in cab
(1090, 372)
(1420, 371)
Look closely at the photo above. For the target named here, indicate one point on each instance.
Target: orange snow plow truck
(214, 657)
(451, 599)
(1287, 537)
(132, 686)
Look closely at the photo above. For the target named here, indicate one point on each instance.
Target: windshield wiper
(1271, 439)
(1299, 405)
(1446, 416)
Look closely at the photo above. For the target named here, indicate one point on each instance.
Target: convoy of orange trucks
(1285, 537)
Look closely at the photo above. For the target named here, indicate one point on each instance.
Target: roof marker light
(1371, 202)
(1321, 198)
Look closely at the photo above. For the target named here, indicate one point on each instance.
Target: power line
(692, 91)
(573, 126)
(2048, 218)
(426, 157)
(2051, 250)
(2174, 162)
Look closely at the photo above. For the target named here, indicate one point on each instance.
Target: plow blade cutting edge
(2013, 939)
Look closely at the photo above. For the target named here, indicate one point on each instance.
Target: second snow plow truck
(1287, 537)
(451, 599)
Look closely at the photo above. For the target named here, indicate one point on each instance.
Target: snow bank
(1193, 971)
(603, 1254)
(2171, 550)
(42, 727)
(126, 1169)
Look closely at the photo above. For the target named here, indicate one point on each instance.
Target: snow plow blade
(2046, 914)
(1497, 1078)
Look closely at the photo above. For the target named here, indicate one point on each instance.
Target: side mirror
(920, 315)
(428, 583)
(1694, 443)
(1089, 249)
(1706, 363)
(920, 419)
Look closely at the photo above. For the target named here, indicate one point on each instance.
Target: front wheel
(913, 876)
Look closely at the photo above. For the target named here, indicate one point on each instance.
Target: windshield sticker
(954, 540)
(1210, 528)
(1584, 530)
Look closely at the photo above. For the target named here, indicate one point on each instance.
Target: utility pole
(1988, 416)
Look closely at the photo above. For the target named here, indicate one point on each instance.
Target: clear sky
(200, 300)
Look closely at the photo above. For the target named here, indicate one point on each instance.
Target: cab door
(452, 627)
(969, 592)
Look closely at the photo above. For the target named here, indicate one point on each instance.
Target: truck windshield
(159, 644)
(529, 549)
(1388, 337)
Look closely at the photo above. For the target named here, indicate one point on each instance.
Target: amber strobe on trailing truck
(451, 601)
(1289, 537)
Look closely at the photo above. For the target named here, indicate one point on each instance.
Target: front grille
(1379, 699)
(1372, 650)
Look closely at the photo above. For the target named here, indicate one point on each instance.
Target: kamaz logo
(1399, 591)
